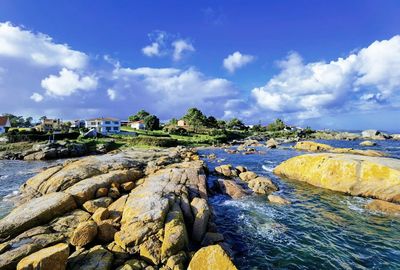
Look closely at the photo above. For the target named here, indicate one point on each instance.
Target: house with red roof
(4, 124)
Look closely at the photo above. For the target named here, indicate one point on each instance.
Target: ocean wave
(267, 168)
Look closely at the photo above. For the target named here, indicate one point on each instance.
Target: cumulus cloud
(180, 48)
(237, 60)
(112, 94)
(37, 48)
(366, 79)
(163, 44)
(152, 50)
(67, 83)
(160, 89)
(37, 97)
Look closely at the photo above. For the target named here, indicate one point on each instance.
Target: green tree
(221, 124)
(140, 115)
(277, 125)
(28, 122)
(235, 123)
(195, 118)
(15, 121)
(173, 122)
(151, 122)
(211, 122)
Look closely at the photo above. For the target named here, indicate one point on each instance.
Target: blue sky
(77, 59)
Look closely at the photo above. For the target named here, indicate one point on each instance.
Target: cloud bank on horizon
(41, 77)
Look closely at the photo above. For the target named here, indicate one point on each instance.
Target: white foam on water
(267, 169)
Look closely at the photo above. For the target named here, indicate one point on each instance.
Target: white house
(4, 124)
(137, 124)
(104, 125)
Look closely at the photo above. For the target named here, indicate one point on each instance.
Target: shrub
(154, 141)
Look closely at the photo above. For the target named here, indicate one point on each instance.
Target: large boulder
(247, 176)
(51, 258)
(232, 189)
(277, 199)
(175, 234)
(211, 258)
(262, 185)
(36, 212)
(353, 174)
(320, 147)
(225, 170)
(84, 233)
(201, 213)
(97, 258)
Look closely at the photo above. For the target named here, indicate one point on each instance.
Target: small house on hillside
(4, 124)
(104, 125)
(182, 123)
(137, 124)
(49, 125)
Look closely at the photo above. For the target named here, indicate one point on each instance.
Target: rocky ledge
(138, 209)
(320, 147)
(374, 177)
(62, 149)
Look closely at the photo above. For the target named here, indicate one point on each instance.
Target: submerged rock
(367, 143)
(383, 206)
(211, 258)
(277, 199)
(353, 174)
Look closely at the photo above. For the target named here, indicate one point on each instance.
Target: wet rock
(353, 174)
(277, 199)
(201, 214)
(367, 143)
(84, 234)
(36, 212)
(262, 185)
(97, 258)
(211, 258)
(51, 258)
(383, 206)
(247, 176)
(225, 170)
(241, 169)
(232, 189)
(271, 143)
(211, 238)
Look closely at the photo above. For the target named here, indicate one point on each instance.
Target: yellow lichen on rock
(353, 174)
(321, 147)
(51, 258)
(211, 258)
(382, 206)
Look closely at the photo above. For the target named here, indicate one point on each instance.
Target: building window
(116, 128)
(116, 122)
(93, 123)
(108, 129)
(107, 122)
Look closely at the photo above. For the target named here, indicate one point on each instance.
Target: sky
(324, 64)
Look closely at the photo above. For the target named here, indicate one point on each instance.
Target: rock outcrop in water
(374, 177)
(135, 209)
(320, 147)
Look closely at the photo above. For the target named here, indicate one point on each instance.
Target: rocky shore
(50, 151)
(136, 209)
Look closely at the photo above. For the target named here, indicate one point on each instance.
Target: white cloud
(38, 49)
(67, 83)
(112, 94)
(369, 78)
(237, 60)
(161, 89)
(152, 50)
(180, 47)
(36, 97)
